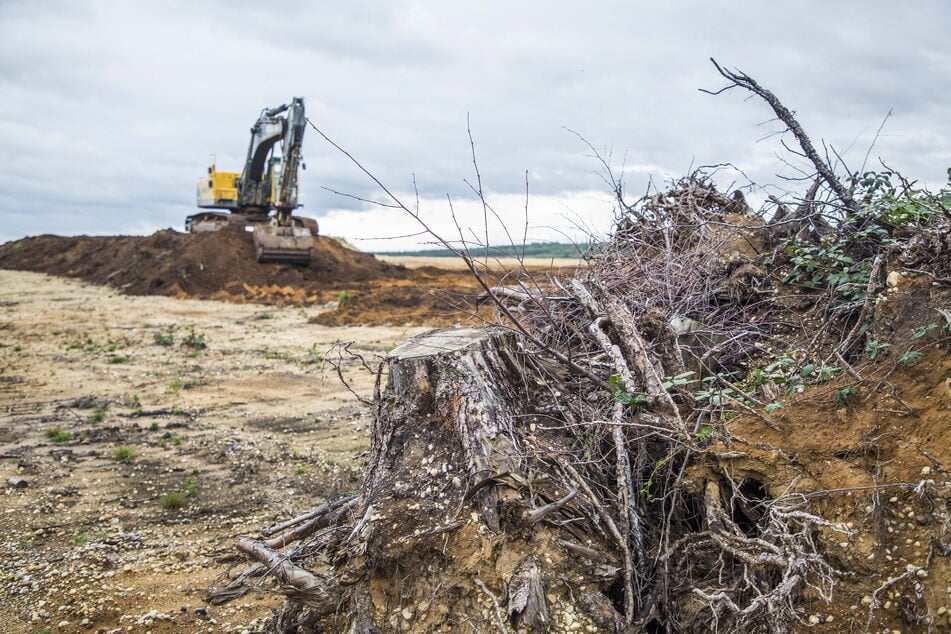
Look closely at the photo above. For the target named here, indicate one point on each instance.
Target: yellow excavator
(264, 195)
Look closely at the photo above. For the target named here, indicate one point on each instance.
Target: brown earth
(221, 265)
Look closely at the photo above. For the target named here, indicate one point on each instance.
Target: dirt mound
(200, 265)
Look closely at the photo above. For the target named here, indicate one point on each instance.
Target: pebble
(925, 471)
(813, 619)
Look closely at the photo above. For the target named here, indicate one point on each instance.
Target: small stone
(867, 599)
(921, 573)
(407, 614)
(17, 483)
(941, 611)
(813, 619)
(830, 618)
(926, 471)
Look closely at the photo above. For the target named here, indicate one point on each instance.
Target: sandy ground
(114, 409)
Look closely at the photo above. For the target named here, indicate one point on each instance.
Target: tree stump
(460, 527)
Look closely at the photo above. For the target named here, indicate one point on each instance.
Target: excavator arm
(267, 183)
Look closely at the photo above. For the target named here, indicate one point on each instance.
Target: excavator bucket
(293, 245)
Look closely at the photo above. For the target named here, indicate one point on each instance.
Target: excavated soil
(221, 265)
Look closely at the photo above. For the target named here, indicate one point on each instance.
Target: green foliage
(261, 315)
(315, 357)
(299, 470)
(163, 339)
(676, 381)
(118, 359)
(873, 348)
(123, 454)
(26, 542)
(174, 386)
(194, 340)
(56, 434)
(843, 394)
(621, 395)
(896, 204)
(909, 357)
(826, 266)
(538, 250)
(98, 416)
(774, 406)
(342, 298)
(649, 484)
(79, 539)
(924, 330)
(173, 500)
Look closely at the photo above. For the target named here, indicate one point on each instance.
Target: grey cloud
(111, 110)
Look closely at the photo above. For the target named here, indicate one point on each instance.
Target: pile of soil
(197, 265)
(222, 265)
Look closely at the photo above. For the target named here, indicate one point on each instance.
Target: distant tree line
(537, 250)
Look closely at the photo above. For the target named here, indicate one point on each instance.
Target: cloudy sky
(111, 110)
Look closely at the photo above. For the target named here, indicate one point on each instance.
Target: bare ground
(112, 413)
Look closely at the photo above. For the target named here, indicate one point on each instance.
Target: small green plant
(154, 426)
(135, 402)
(873, 348)
(774, 407)
(26, 542)
(621, 395)
(909, 357)
(176, 440)
(173, 500)
(123, 454)
(98, 416)
(56, 434)
(299, 470)
(646, 489)
(194, 340)
(704, 434)
(163, 339)
(676, 381)
(79, 539)
(174, 386)
(18, 246)
(342, 298)
(190, 487)
(314, 357)
(924, 330)
(843, 394)
(261, 315)
(117, 359)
